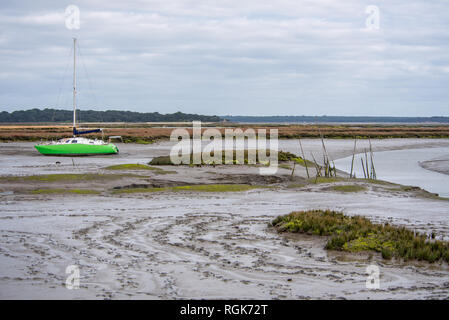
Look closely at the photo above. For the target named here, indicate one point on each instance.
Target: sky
(229, 57)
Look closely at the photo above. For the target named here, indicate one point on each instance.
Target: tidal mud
(202, 245)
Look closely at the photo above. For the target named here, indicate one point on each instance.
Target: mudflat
(166, 232)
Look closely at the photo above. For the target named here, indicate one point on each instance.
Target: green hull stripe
(78, 149)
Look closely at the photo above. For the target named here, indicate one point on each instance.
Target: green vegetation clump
(216, 187)
(60, 177)
(303, 162)
(296, 185)
(65, 177)
(198, 188)
(131, 166)
(161, 161)
(286, 156)
(140, 190)
(64, 191)
(326, 179)
(138, 140)
(141, 141)
(357, 233)
(282, 156)
(349, 188)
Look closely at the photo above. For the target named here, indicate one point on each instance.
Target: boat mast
(74, 86)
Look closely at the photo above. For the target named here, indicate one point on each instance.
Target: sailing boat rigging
(77, 145)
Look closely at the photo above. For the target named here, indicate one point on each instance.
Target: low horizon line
(240, 115)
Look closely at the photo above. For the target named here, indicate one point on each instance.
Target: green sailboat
(77, 145)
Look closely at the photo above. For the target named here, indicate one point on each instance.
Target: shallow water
(402, 166)
(20, 158)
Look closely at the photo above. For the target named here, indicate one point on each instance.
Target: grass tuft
(326, 179)
(74, 177)
(64, 191)
(131, 166)
(197, 188)
(303, 162)
(282, 156)
(357, 233)
(349, 188)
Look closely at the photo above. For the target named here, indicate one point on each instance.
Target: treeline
(330, 119)
(54, 115)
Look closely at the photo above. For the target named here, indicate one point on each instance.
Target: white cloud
(229, 56)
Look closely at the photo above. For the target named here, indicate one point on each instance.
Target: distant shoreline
(337, 119)
(49, 115)
(149, 132)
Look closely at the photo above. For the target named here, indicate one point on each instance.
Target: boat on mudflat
(76, 145)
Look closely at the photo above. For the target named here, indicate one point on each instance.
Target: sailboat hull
(77, 145)
(76, 149)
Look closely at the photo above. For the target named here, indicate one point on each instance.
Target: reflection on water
(402, 166)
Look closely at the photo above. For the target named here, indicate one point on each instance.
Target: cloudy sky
(229, 57)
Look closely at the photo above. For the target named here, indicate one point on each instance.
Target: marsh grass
(132, 132)
(304, 163)
(132, 139)
(380, 182)
(131, 166)
(282, 157)
(357, 233)
(296, 185)
(161, 161)
(140, 190)
(141, 141)
(216, 188)
(197, 188)
(349, 188)
(64, 191)
(65, 177)
(326, 179)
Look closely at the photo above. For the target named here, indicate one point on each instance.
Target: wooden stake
(304, 158)
(363, 167)
(353, 156)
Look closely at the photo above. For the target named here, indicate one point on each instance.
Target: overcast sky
(229, 57)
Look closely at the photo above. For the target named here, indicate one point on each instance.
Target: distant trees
(54, 115)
